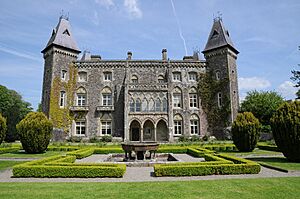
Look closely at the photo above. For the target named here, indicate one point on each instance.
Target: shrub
(3, 128)
(106, 138)
(35, 132)
(82, 153)
(195, 138)
(245, 131)
(285, 125)
(183, 138)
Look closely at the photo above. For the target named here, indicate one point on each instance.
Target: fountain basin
(140, 149)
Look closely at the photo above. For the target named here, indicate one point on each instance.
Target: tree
(3, 128)
(262, 104)
(285, 125)
(39, 109)
(13, 108)
(245, 131)
(296, 78)
(35, 132)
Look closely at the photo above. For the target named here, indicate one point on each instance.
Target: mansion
(134, 100)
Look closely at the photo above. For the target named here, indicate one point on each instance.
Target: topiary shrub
(3, 128)
(285, 125)
(245, 131)
(35, 132)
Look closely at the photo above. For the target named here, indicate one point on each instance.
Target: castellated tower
(221, 55)
(60, 51)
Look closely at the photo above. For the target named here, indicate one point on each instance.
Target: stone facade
(137, 100)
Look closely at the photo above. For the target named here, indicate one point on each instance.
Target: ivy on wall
(61, 117)
(208, 88)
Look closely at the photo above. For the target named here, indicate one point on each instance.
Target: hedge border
(64, 166)
(216, 164)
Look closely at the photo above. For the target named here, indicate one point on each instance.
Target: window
(218, 75)
(107, 76)
(151, 105)
(132, 105)
(161, 79)
(138, 105)
(82, 76)
(192, 76)
(106, 99)
(177, 98)
(80, 128)
(63, 75)
(81, 99)
(62, 99)
(177, 125)
(165, 105)
(194, 127)
(157, 105)
(193, 98)
(106, 128)
(177, 76)
(145, 105)
(219, 100)
(134, 79)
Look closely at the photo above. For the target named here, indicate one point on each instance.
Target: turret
(60, 51)
(221, 55)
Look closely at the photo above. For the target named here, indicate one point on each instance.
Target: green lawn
(280, 162)
(255, 152)
(233, 188)
(6, 164)
(22, 154)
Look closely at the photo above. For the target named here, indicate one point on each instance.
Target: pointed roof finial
(218, 17)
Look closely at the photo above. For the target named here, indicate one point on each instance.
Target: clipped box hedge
(215, 164)
(268, 147)
(9, 150)
(82, 153)
(63, 166)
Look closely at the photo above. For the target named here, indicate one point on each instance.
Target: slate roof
(62, 36)
(218, 37)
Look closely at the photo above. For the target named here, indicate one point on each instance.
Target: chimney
(164, 54)
(129, 55)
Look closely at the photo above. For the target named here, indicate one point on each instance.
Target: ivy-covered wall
(62, 117)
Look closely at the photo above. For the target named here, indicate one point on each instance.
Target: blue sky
(266, 32)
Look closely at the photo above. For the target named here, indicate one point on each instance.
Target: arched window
(151, 105)
(81, 97)
(138, 105)
(194, 125)
(177, 125)
(145, 105)
(165, 105)
(157, 105)
(161, 79)
(193, 97)
(132, 105)
(82, 76)
(134, 79)
(177, 102)
(218, 75)
(106, 97)
(62, 100)
(63, 75)
(219, 99)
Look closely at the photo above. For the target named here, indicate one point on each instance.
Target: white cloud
(95, 18)
(287, 90)
(252, 83)
(105, 3)
(17, 53)
(132, 8)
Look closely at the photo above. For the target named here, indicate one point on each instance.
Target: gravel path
(145, 174)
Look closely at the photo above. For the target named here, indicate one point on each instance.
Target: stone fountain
(139, 150)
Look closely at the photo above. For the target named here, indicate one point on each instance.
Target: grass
(22, 154)
(255, 152)
(233, 188)
(280, 162)
(7, 164)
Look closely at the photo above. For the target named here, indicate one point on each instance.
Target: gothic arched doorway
(162, 131)
(135, 129)
(148, 131)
